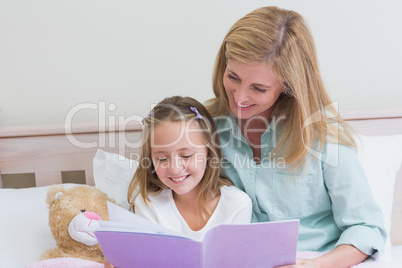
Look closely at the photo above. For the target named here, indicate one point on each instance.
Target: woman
(286, 145)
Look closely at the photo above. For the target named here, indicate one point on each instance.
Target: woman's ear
(285, 87)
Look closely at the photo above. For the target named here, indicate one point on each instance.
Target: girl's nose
(176, 164)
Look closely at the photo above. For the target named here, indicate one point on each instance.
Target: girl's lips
(179, 179)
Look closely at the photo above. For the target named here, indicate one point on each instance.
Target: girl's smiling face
(252, 89)
(179, 156)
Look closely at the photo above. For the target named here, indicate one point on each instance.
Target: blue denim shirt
(331, 196)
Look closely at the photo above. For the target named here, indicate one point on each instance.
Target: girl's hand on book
(107, 264)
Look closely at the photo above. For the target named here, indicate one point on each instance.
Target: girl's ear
(153, 169)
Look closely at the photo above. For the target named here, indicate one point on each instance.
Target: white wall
(57, 54)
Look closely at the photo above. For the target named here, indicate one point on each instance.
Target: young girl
(179, 182)
(271, 108)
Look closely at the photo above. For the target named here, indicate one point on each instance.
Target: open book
(128, 240)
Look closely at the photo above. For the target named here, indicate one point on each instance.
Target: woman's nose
(241, 94)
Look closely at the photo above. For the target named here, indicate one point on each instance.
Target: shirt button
(251, 172)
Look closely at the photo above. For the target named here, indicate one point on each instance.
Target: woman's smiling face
(252, 89)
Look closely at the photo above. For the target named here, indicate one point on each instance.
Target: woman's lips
(243, 107)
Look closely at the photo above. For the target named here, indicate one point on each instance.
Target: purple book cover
(267, 244)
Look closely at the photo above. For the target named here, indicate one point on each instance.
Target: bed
(36, 157)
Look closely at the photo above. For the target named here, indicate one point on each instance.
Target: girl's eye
(162, 159)
(187, 156)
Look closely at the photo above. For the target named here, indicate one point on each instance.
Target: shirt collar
(227, 123)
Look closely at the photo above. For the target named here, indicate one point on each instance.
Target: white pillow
(113, 174)
(24, 229)
(381, 158)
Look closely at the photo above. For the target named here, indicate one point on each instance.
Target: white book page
(122, 220)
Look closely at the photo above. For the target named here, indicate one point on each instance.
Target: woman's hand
(107, 264)
(342, 256)
(307, 263)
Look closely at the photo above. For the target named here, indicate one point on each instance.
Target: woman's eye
(260, 90)
(233, 77)
(187, 156)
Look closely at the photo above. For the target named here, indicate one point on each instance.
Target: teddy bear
(73, 218)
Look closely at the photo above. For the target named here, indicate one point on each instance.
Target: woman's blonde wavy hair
(177, 109)
(281, 39)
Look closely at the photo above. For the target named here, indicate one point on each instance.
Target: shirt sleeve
(144, 210)
(244, 214)
(241, 206)
(355, 212)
